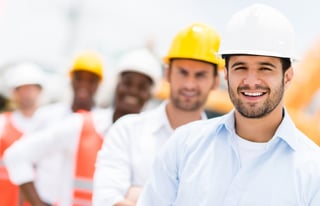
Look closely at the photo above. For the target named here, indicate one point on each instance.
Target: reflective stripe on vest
(83, 184)
(3, 172)
(83, 191)
(89, 144)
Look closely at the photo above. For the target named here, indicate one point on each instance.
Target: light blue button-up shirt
(200, 166)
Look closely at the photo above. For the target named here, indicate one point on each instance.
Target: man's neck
(28, 112)
(76, 107)
(258, 129)
(179, 117)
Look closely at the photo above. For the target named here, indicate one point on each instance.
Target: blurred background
(51, 32)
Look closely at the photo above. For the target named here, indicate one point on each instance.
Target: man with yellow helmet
(86, 74)
(124, 162)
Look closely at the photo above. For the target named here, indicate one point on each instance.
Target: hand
(133, 193)
(30, 194)
(125, 203)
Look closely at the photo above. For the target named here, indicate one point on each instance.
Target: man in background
(125, 159)
(25, 81)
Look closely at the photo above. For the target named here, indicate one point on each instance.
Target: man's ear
(167, 73)
(225, 73)
(216, 82)
(288, 76)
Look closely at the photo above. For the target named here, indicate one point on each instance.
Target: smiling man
(124, 162)
(138, 75)
(253, 155)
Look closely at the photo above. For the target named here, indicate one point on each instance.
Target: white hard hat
(141, 61)
(24, 74)
(259, 30)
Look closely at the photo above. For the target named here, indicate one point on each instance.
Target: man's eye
(266, 69)
(239, 68)
(183, 72)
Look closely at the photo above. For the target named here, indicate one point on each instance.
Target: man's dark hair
(286, 62)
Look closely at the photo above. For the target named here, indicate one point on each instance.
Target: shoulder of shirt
(139, 119)
(194, 132)
(307, 146)
(58, 107)
(307, 158)
(305, 151)
(204, 124)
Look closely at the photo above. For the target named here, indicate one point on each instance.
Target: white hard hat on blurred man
(141, 61)
(25, 74)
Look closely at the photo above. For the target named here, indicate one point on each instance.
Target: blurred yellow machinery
(302, 91)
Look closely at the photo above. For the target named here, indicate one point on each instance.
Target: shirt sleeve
(112, 177)
(162, 186)
(25, 153)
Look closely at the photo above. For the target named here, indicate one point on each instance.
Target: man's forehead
(191, 65)
(253, 59)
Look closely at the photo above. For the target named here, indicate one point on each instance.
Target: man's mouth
(131, 100)
(253, 94)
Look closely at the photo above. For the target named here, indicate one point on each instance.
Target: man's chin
(189, 107)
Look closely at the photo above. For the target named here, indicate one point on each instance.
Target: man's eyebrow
(181, 68)
(267, 64)
(261, 64)
(202, 72)
(237, 64)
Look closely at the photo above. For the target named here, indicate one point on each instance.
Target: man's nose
(190, 82)
(252, 79)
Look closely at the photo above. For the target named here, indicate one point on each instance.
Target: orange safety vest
(89, 144)
(9, 193)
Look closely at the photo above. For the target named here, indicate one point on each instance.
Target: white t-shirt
(249, 151)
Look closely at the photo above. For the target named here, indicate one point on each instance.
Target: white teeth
(189, 94)
(255, 94)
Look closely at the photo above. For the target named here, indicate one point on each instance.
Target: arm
(28, 151)
(131, 197)
(125, 203)
(30, 194)
(133, 194)
(112, 177)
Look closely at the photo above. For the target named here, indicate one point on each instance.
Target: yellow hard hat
(88, 61)
(198, 42)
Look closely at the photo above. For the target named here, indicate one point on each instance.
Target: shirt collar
(286, 131)
(162, 117)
